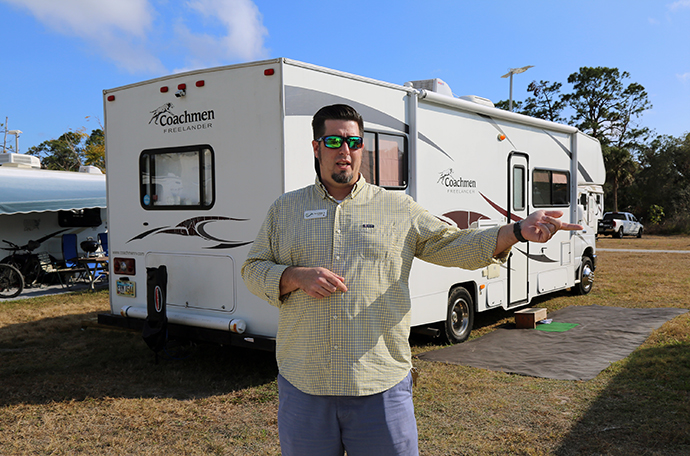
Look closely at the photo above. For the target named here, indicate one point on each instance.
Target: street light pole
(511, 73)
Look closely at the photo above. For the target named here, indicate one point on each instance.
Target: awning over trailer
(24, 190)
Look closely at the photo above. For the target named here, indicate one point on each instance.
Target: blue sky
(58, 56)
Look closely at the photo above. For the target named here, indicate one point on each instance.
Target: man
(335, 258)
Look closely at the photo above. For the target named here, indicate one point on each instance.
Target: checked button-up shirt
(353, 343)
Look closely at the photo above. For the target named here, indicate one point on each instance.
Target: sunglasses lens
(354, 142)
(333, 142)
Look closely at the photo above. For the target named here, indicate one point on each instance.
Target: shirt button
(337, 231)
(335, 347)
(335, 317)
(337, 257)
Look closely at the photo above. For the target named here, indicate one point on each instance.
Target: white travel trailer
(37, 206)
(195, 160)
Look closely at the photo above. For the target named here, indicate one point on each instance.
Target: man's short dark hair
(334, 112)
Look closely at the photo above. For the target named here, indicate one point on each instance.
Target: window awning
(24, 190)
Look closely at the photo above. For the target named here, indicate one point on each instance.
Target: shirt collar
(359, 185)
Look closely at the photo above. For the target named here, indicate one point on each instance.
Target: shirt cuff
(272, 285)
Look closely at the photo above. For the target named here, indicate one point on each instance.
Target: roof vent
(479, 100)
(20, 161)
(90, 169)
(434, 85)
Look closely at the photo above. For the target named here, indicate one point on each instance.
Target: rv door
(518, 166)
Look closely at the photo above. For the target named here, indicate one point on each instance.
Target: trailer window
(519, 188)
(550, 188)
(384, 160)
(177, 178)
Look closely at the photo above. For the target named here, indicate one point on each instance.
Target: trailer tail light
(164, 89)
(181, 86)
(111, 97)
(200, 83)
(124, 266)
(269, 72)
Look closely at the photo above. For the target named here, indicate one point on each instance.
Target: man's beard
(342, 178)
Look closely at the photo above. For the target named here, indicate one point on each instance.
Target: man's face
(339, 167)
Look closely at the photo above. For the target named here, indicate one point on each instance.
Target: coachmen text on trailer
(195, 160)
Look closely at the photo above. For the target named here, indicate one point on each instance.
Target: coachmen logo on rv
(174, 123)
(456, 185)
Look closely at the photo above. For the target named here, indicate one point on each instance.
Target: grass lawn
(69, 388)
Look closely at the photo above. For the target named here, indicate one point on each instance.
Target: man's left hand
(540, 226)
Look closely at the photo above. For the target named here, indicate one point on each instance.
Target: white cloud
(244, 37)
(126, 31)
(683, 77)
(679, 4)
(117, 29)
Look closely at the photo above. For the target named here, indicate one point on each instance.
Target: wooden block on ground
(528, 318)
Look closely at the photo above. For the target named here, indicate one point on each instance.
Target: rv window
(519, 188)
(550, 188)
(178, 178)
(384, 160)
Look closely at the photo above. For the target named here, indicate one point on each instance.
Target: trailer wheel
(586, 276)
(460, 317)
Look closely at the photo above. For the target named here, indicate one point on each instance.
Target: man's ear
(315, 146)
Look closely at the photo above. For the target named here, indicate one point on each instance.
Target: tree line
(646, 173)
(72, 150)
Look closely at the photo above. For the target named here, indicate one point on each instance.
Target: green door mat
(555, 326)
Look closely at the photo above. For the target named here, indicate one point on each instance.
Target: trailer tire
(586, 276)
(459, 317)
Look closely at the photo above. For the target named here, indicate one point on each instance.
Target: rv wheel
(586, 276)
(460, 317)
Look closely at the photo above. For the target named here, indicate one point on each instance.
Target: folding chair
(103, 239)
(70, 255)
(47, 267)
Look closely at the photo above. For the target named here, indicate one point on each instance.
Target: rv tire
(586, 276)
(459, 318)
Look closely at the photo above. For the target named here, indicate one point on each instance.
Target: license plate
(126, 289)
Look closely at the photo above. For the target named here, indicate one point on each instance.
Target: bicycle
(11, 281)
(24, 260)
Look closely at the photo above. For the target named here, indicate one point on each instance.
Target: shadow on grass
(59, 359)
(645, 410)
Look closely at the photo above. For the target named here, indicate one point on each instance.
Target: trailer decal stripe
(195, 226)
(500, 210)
(580, 168)
(300, 101)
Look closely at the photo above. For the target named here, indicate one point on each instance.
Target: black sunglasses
(336, 142)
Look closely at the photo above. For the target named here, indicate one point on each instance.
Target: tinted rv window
(384, 160)
(177, 178)
(550, 188)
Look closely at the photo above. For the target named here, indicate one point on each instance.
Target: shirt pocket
(376, 241)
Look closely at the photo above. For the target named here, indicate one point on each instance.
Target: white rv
(37, 206)
(195, 160)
